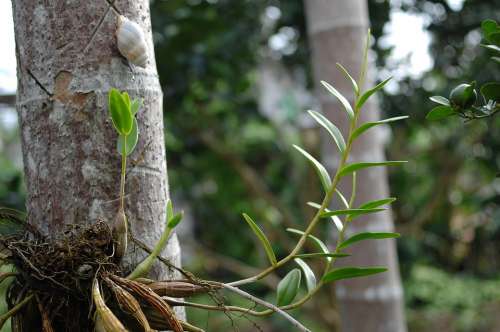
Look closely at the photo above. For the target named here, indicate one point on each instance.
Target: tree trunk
(337, 30)
(67, 62)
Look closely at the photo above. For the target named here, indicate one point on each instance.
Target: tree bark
(337, 30)
(67, 62)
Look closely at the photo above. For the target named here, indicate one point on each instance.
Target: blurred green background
(228, 153)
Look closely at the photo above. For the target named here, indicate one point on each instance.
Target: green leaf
(331, 128)
(308, 274)
(355, 87)
(317, 241)
(322, 254)
(135, 105)
(126, 98)
(342, 198)
(440, 100)
(348, 212)
(12, 222)
(175, 220)
(341, 98)
(367, 125)
(489, 26)
(120, 112)
(377, 203)
(320, 169)
(336, 220)
(491, 91)
(370, 92)
(492, 47)
(263, 239)
(131, 140)
(351, 272)
(288, 288)
(367, 236)
(440, 112)
(170, 209)
(357, 166)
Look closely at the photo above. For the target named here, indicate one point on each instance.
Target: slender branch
(265, 304)
(124, 169)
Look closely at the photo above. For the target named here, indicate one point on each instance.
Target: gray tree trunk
(67, 62)
(337, 30)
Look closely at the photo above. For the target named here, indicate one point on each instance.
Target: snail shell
(131, 41)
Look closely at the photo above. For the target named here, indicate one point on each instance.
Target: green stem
(124, 169)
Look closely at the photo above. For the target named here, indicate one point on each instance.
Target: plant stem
(316, 218)
(124, 169)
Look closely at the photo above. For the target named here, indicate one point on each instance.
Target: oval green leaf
(130, 140)
(175, 220)
(331, 128)
(120, 112)
(367, 236)
(367, 125)
(362, 100)
(288, 288)
(263, 239)
(341, 98)
(351, 272)
(440, 112)
(320, 169)
(135, 105)
(357, 166)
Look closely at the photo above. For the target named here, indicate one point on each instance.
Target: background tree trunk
(337, 30)
(67, 62)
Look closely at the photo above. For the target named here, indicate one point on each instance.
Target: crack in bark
(40, 85)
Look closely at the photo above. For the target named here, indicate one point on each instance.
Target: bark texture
(337, 30)
(67, 62)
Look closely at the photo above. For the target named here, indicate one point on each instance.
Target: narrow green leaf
(491, 91)
(322, 254)
(367, 236)
(440, 112)
(288, 288)
(377, 203)
(348, 212)
(362, 100)
(492, 47)
(120, 112)
(342, 198)
(175, 220)
(341, 98)
(126, 98)
(351, 272)
(322, 246)
(263, 239)
(331, 128)
(367, 125)
(440, 100)
(308, 274)
(170, 210)
(336, 220)
(355, 87)
(131, 140)
(135, 105)
(320, 169)
(357, 166)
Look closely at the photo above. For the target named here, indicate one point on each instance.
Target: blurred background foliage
(228, 154)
